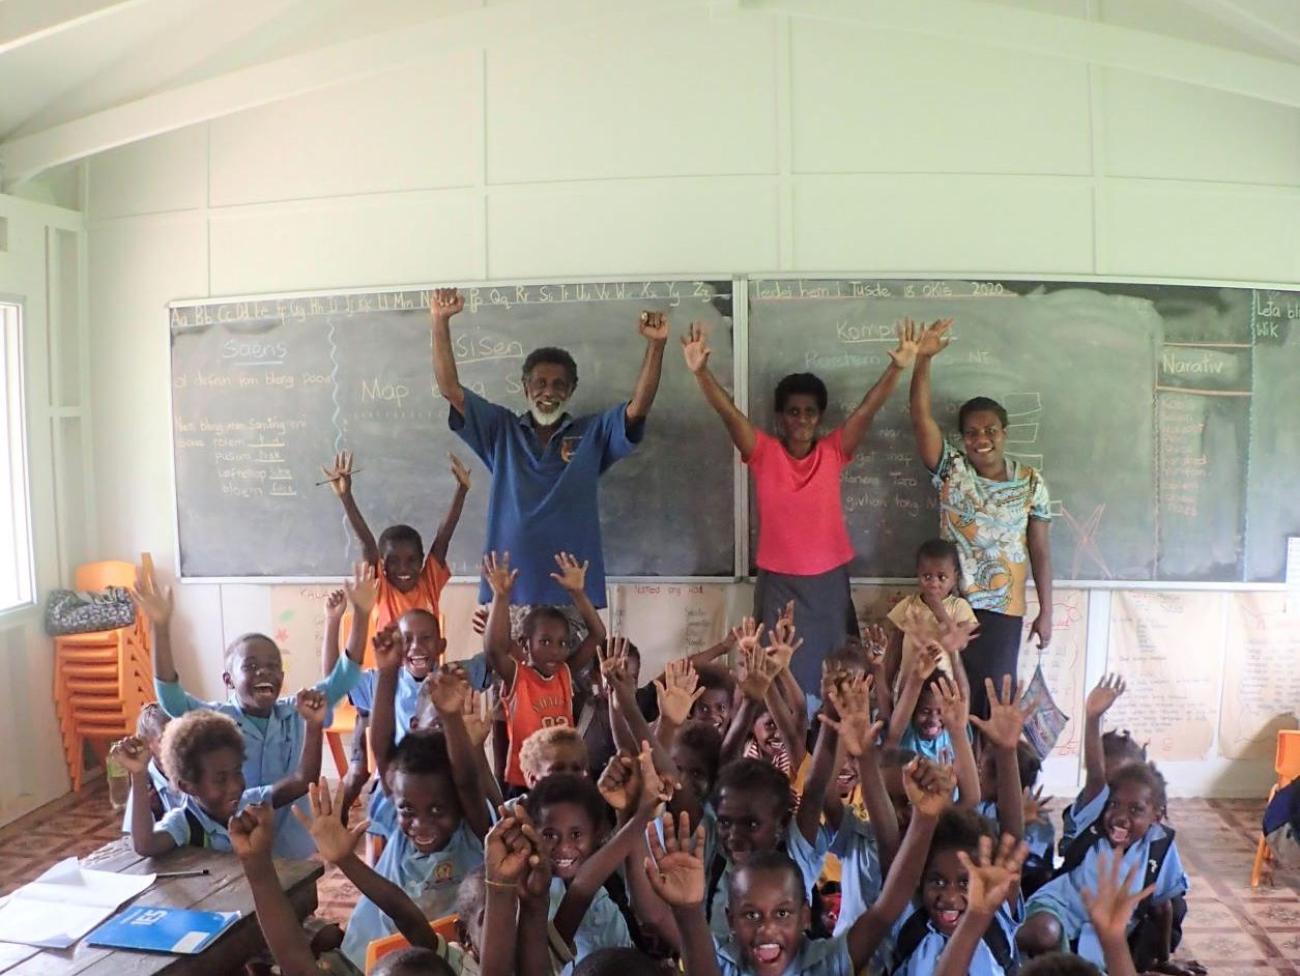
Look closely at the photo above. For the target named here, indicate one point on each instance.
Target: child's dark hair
(959, 829)
(757, 777)
(849, 656)
(195, 734)
(413, 961)
(706, 740)
(977, 404)
(939, 549)
(567, 788)
(233, 647)
(1029, 763)
(422, 752)
(543, 612)
(712, 678)
(774, 861)
(1059, 964)
(1119, 745)
(622, 961)
(420, 612)
(151, 722)
(556, 357)
(395, 535)
(797, 383)
(1144, 774)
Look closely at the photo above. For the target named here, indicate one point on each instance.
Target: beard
(544, 419)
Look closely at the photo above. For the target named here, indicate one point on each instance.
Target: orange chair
(101, 679)
(376, 950)
(1287, 765)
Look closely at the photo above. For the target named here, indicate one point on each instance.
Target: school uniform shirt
(801, 529)
(406, 700)
(272, 745)
(170, 797)
(391, 603)
(603, 927)
(808, 857)
(1061, 896)
(860, 878)
(1078, 815)
(937, 750)
(534, 702)
(920, 626)
(817, 957)
(431, 880)
(924, 959)
(214, 836)
(988, 521)
(1040, 835)
(545, 500)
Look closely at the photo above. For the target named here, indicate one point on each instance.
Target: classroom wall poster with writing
(1168, 647)
(669, 620)
(1261, 685)
(1064, 660)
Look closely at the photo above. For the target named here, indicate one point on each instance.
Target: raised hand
(786, 619)
(572, 576)
(336, 602)
(479, 621)
(339, 474)
(927, 661)
(499, 574)
(933, 339)
(904, 354)
(675, 867)
(1111, 905)
(507, 850)
(387, 645)
(655, 790)
(445, 303)
(363, 590)
(312, 706)
(782, 645)
(252, 832)
(992, 878)
(1006, 716)
(678, 691)
(760, 672)
(459, 471)
(620, 782)
(613, 664)
(955, 635)
(695, 347)
(748, 634)
(154, 600)
(535, 885)
(928, 786)
(953, 706)
(132, 753)
(448, 689)
(1036, 805)
(653, 326)
(874, 643)
(851, 699)
(1104, 695)
(476, 713)
(333, 839)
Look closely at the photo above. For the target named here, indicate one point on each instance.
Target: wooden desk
(223, 890)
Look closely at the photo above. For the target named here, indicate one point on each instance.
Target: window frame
(16, 416)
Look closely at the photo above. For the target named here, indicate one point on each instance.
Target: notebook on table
(152, 928)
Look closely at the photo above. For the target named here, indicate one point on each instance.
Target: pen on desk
(168, 875)
(330, 481)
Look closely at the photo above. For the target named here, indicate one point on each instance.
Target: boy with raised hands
(768, 911)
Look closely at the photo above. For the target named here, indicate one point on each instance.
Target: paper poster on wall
(1063, 660)
(1169, 649)
(873, 603)
(1261, 685)
(298, 626)
(668, 620)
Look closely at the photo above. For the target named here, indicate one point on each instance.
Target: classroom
(611, 412)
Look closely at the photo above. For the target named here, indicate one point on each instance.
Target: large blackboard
(266, 390)
(1166, 419)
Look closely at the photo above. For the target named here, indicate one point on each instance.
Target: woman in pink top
(803, 544)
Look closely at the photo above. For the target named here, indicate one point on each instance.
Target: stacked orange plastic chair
(101, 679)
(376, 950)
(1287, 765)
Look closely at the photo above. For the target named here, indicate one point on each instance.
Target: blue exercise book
(154, 929)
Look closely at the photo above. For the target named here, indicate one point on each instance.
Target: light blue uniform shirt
(171, 797)
(817, 957)
(430, 879)
(1079, 815)
(405, 701)
(215, 835)
(1039, 835)
(272, 746)
(925, 957)
(545, 501)
(603, 927)
(937, 750)
(1061, 896)
(860, 879)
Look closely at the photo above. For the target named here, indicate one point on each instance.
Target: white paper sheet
(65, 903)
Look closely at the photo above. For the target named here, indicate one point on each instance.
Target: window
(16, 582)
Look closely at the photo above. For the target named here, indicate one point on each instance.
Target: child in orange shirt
(538, 691)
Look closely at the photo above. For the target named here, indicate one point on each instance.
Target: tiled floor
(1231, 929)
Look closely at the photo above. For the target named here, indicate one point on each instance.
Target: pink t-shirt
(801, 530)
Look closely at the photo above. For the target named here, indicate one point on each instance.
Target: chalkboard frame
(740, 321)
(740, 387)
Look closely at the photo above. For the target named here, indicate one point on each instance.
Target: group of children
(716, 821)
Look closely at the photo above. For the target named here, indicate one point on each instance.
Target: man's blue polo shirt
(545, 501)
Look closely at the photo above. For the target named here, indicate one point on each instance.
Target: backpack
(915, 929)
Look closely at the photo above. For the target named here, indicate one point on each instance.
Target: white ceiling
(67, 60)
